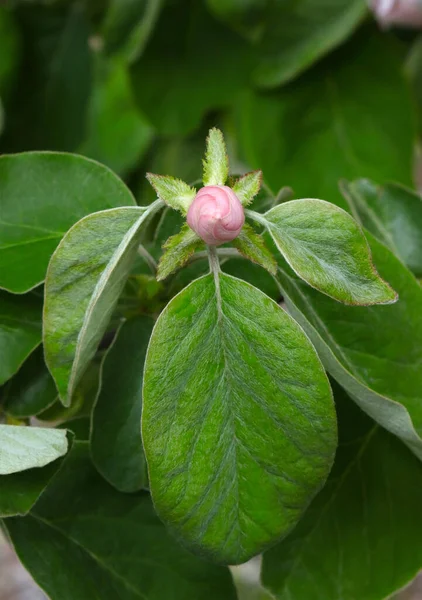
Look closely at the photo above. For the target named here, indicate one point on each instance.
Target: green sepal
(216, 162)
(178, 249)
(174, 192)
(252, 246)
(247, 187)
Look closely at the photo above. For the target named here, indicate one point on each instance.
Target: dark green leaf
(393, 214)
(177, 251)
(326, 247)
(335, 122)
(375, 353)
(20, 331)
(85, 278)
(41, 196)
(85, 540)
(360, 537)
(238, 424)
(116, 444)
(252, 246)
(31, 390)
(9, 49)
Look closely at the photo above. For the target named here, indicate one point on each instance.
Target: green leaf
(238, 423)
(24, 448)
(116, 444)
(193, 64)
(20, 331)
(252, 246)
(122, 146)
(174, 192)
(128, 25)
(373, 352)
(346, 546)
(84, 539)
(297, 33)
(347, 133)
(248, 186)
(42, 195)
(245, 16)
(393, 214)
(326, 247)
(31, 390)
(178, 249)
(85, 278)
(216, 161)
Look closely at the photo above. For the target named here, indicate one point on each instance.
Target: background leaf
(116, 444)
(85, 278)
(20, 331)
(347, 545)
(113, 544)
(41, 196)
(238, 425)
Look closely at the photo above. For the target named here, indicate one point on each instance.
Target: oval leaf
(85, 278)
(326, 247)
(238, 422)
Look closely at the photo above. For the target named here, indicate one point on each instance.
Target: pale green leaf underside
(238, 422)
(174, 192)
(216, 162)
(177, 251)
(85, 278)
(24, 448)
(326, 247)
(247, 187)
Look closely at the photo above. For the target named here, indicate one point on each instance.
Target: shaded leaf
(174, 192)
(216, 161)
(252, 246)
(113, 544)
(42, 195)
(238, 424)
(116, 444)
(177, 251)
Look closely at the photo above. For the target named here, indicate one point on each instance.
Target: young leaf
(83, 539)
(174, 192)
(178, 249)
(42, 194)
(23, 448)
(238, 422)
(20, 331)
(85, 278)
(31, 390)
(252, 246)
(216, 162)
(346, 544)
(374, 353)
(248, 186)
(393, 214)
(116, 444)
(326, 247)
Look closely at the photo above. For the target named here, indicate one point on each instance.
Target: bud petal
(398, 12)
(216, 215)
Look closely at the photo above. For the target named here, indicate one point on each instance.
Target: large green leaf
(20, 331)
(393, 214)
(238, 423)
(296, 33)
(360, 538)
(41, 196)
(335, 122)
(375, 353)
(191, 65)
(117, 134)
(31, 390)
(55, 75)
(326, 247)
(24, 448)
(85, 540)
(116, 444)
(85, 278)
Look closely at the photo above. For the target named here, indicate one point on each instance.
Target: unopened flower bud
(216, 214)
(398, 12)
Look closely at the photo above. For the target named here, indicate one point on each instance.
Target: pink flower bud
(398, 12)
(216, 214)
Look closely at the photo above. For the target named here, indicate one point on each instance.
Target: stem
(256, 217)
(150, 260)
(223, 253)
(215, 270)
